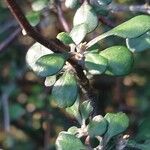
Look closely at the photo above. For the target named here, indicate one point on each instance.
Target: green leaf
(100, 2)
(140, 43)
(86, 109)
(144, 130)
(65, 38)
(118, 123)
(120, 60)
(129, 29)
(34, 53)
(73, 130)
(66, 141)
(97, 126)
(33, 17)
(101, 10)
(50, 64)
(71, 3)
(38, 5)
(78, 33)
(95, 63)
(49, 81)
(16, 111)
(74, 110)
(65, 90)
(133, 27)
(86, 15)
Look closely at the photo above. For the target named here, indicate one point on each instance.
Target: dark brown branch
(54, 45)
(61, 16)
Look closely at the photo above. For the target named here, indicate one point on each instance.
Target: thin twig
(114, 7)
(9, 40)
(5, 107)
(6, 26)
(54, 45)
(61, 16)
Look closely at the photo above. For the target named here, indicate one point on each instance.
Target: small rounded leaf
(86, 109)
(49, 81)
(133, 27)
(50, 64)
(73, 130)
(120, 60)
(71, 3)
(97, 126)
(86, 15)
(65, 90)
(65, 38)
(33, 17)
(117, 123)
(140, 43)
(74, 110)
(95, 63)
(78, 33)
(66, 141)
(34, 53)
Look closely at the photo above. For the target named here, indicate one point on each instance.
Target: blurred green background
(28, 119)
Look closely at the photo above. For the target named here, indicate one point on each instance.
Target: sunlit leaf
(65, 38)
(74, 110)
(50, 64)
(86, 109)
(97, 126)
(66, 141)
(34, 53)
(95, 63)
(49, 81)
(117, 123)
(71, 3)
(140, 43)
(33, 17)
(78, 33)
(120, 60)
(73, 130)
(133, 27)
(86, 15)
(38, 5)
(65, 90)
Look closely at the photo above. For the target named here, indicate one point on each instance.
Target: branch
(54, 45)
(132, 8)
(9, 40)
(61, 16)
(5, 107)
